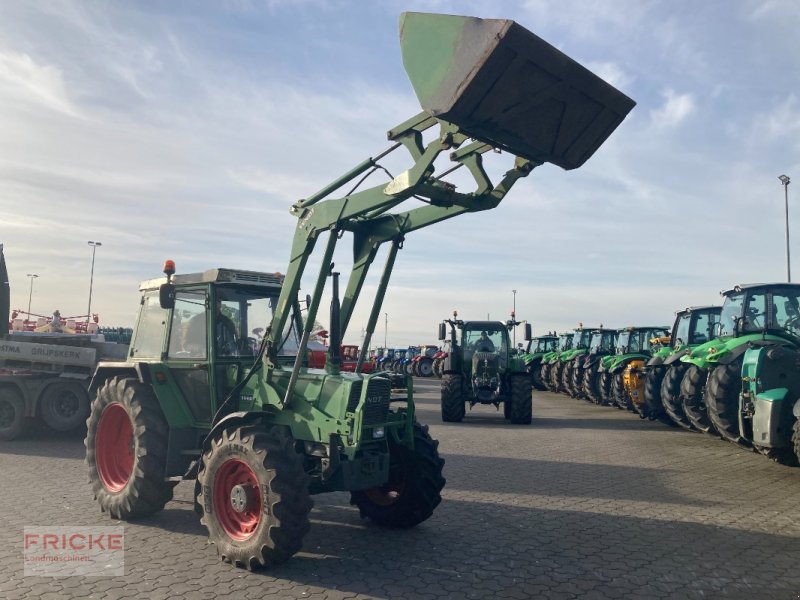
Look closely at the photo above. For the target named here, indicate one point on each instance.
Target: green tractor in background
(550, 359)
(537, 349)
(663, 373)
(481, 368)
(602, 344)
(563, 368)
(634, 348)
(753, 316)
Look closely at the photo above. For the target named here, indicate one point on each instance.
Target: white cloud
(22, 78)
(676, 109)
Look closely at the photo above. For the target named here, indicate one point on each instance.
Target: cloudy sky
(185, 130)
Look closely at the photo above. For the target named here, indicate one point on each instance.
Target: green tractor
(202, 399)
(694, 325)
(482, 368)
(537, 349)
(550, 359)
(753, 316)
(634, 348)
(602, 344)
(564, 367)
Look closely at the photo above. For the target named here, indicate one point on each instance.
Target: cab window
(188, 334)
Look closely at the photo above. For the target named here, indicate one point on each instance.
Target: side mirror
(166, 296)
(528, 332)
(442, 331)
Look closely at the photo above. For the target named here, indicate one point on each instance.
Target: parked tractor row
(731, 371)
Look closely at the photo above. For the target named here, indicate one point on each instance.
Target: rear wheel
(414, 487)
(591, 383)
(544, 375)
(12, 413)
(126, 450)
(566, 378)
(254, 495)
(576, 380)
(604, 387)
(618, 392)
(555, 376)
(425, 367)
(796, 438)
(692, 397)
(520, 403)
(671, 395)
(722, 400)
(653, 408)
(453, 406)
(535, 371)
(64, 405)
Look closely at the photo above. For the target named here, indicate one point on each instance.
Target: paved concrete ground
(587, 502)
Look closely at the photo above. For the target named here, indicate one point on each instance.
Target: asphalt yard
(587, 502)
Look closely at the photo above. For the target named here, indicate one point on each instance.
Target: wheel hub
(243, 497)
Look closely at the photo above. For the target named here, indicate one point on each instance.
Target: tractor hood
(503, 85)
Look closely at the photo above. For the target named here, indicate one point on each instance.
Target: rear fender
(107, 370)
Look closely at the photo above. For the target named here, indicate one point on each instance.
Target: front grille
(376, 405)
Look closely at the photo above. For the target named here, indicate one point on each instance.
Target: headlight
(378, 433)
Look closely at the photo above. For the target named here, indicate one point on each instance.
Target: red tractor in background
(422, 363)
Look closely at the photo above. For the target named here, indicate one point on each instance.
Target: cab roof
(220, 275)
(749, 286)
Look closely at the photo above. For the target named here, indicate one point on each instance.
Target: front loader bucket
(5, 295)
(505, 86)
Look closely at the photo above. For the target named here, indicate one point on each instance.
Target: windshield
(786, 310)
(731, 310)
(580, 339)
(680, 334)
(705, 325)
(650, 334)
(483, 340)
(622, 341)
(546, 345)
(565, 342)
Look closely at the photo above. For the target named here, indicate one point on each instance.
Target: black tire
(125, 415)
(671, 395)
(591, 383)
(414, 487)
(796, 438)
(453, 405)
(555, 376)
(566, 377)
(653, 408)
(64, 405)
(408, 368)
(604, 387)
(544, 375)
(618, 392)
(692, 397)
(576, 380)
(425, 367)
(722, 400)
(520, 411)
(535, 370)
(262, 459)
(12, 413)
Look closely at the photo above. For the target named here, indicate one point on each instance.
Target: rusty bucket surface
(503, 85)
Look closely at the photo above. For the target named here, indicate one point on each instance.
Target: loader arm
(489, 84)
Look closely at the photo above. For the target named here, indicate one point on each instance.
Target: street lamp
(32, 276)
(785, 182)
(94, 246)
(385, 329)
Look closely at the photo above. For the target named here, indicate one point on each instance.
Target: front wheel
(453, 406)
(618, 392)
(722, 400)
(253, 496)
(653, 408)
(671, 395)
(520, 402)
(693, 399)
(425, 367)
(414, 487)
(126, 450)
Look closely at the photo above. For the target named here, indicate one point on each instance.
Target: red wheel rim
(114, 447)
(239, 524)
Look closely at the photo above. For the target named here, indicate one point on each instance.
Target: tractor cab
(603, 341)
(757, 308)
(542, 344)
(695, 325)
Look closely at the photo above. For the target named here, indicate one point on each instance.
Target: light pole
(514, 317)
(32, 276)
(385, 329)
(785, 182)
(94, 246)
